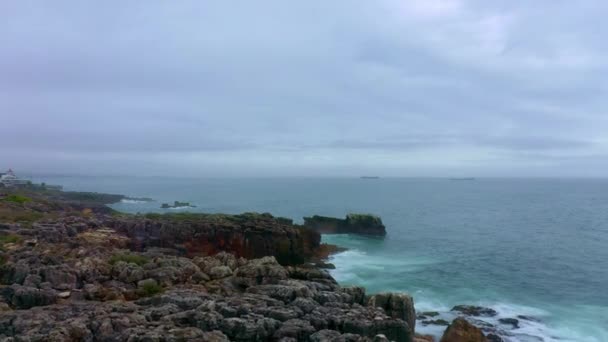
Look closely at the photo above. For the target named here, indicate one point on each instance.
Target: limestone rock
(396, 305)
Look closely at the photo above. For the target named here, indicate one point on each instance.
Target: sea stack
(363, 224)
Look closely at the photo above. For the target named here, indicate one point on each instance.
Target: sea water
(533, 247)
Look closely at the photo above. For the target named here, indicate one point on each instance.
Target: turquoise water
(534, 247)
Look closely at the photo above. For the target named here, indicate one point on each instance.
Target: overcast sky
(308, 88)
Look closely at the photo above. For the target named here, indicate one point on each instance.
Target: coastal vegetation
(128, 258)
(15, 198)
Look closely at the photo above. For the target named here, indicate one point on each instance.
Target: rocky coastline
(73, 269)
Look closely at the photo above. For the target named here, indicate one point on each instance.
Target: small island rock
(363, 224)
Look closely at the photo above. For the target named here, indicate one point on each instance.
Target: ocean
(532, 247)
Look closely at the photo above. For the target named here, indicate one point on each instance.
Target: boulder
(25, 297)
(219, 272)
(460, 330)
(263, 271)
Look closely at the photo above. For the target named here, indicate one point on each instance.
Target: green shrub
(10, 238)
(149, 289)
(17, 199)
(129, 258)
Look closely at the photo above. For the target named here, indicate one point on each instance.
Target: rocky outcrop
(363, 224)
(460, 330)
(70, 273)
(396, 305)
(248, 235)
(259, 300)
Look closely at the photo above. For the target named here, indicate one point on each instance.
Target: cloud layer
(396, 88)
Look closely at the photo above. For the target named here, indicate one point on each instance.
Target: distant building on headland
(9, 179)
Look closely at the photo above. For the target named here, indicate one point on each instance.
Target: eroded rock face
(248, 235)
(396, 305)
(363, 224)
(460, 330)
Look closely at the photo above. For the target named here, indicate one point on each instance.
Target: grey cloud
(247, 85)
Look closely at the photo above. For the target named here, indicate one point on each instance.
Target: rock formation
(460, 330)
(74, 271)
(363, 224)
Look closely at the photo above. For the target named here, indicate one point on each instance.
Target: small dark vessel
(463, 179)
(369, 177)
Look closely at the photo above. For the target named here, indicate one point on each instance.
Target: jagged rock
(396, 305)
(262, 271)
(494, 338)
(364, 224)
(32, 280)
(475, 311)
(219, 272)
(93, 270)
(283, 293)
(128, 272)
(24, 297)
(426, 314)
(325, 335)
(435, 322)
(297, 329)
(462, 331)
(200, 277)
(357, 293)
(250, 328)
(510, 321)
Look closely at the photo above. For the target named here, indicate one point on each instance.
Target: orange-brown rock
(460, 330)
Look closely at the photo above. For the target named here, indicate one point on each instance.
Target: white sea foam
(568, 325)
(540, 328)
(131, 201)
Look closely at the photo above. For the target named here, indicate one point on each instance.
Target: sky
(440, 88)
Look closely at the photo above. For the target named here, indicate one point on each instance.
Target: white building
(9, 179)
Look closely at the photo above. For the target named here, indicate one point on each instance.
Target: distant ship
(369, 177)
(463, 179)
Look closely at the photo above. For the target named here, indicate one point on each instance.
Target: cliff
(75, 270)
(363, 224)
(248, 235)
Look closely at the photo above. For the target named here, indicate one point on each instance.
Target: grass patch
(10, 238)
(17, 199)
(150, 289)
(129, 258)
